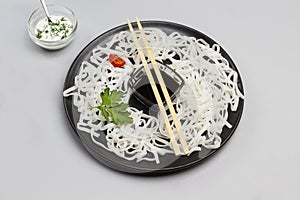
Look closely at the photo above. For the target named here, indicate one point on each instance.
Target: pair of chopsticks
(155, 90)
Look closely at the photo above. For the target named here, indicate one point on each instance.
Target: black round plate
(169, 163)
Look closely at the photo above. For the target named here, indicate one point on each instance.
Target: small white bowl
(57, 10)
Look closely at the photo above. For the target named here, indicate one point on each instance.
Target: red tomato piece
(116, 61)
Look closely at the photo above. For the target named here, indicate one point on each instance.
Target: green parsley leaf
(106, 100)
(105, 113)
(119, 115)
(115, 97)
(112, 109)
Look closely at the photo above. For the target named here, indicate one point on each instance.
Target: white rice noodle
(202, 105)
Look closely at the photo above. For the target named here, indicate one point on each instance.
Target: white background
(40, 158)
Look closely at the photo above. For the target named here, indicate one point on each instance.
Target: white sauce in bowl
(58, 29)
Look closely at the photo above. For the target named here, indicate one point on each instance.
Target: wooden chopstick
(155, 90)
(164, 89)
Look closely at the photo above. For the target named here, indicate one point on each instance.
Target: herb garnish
(39, 33)
(112, 109)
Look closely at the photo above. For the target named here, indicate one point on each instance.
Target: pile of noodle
(202, 105)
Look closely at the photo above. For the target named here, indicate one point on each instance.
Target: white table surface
(42, 159)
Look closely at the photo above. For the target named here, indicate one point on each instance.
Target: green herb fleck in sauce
(58, 29)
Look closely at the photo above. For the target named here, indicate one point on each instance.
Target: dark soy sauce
(147, 92)
(143, 97)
